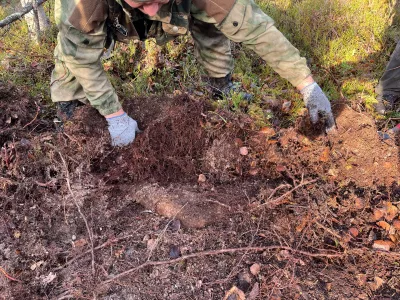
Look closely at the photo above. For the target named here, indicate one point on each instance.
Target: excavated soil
(201, 206)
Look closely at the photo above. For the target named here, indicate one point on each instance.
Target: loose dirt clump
(192, 205)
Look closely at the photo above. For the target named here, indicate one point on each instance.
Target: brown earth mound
(278, 214)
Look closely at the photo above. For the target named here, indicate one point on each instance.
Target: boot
(386, 103)
(224, 87)
(65, 111)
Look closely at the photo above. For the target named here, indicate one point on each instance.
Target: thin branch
(8, 276)
(79, 210)
(33, 120)
(105, 244)
(67, 178)
(217, 252)
(278, 200)
(18, 15)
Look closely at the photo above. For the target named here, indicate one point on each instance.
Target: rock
(175, 226)
(174, 252)
(383, 245)
(202, 178)
(255, 269)
(243, 151)
(244, 281)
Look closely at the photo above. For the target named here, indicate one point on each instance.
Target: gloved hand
(318, 105)
(122, 129)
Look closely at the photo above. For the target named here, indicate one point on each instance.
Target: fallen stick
(18, 15)
(278, 200)
(67, 178)
(8, 276)
(217, 252)
(105, 244)
(33, 120)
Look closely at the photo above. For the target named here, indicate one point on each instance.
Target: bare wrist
(309, 80)
(116, 114)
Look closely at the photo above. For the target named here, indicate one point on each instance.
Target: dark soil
(193, 181)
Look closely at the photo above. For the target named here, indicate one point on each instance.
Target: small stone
(244, 281)
(174, 251)
(73, 237)
(244, 151)
(255, 269)
(202, 178)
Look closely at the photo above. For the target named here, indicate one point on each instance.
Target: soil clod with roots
(192, 204)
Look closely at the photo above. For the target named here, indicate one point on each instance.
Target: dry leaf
(384, 225)
(378, 282)
(328, 286)
(238, 142)
(396, 224)
(36, 265)
(80, 243)
(49, 278)
(359, 203)
(235, 291)
(325, 155)
(267, 131)
(393, 238)
(255, 269)
(383, 245)
(378, 214)
(391, 211)
(255, 292)
(354, 232)
(303, 224)
(119, 253)
(254, 172)
(332, 202)
(361, 279)
(280, 168)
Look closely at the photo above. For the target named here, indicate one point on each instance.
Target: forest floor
(201, 206)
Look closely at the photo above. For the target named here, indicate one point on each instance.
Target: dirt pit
(199, 207)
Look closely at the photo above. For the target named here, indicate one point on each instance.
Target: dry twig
(278, 200)
(67, 178)
(33, 120)
(217, 252)
(8, 276)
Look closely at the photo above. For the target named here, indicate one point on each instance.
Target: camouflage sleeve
(78, 54)
(248, 24)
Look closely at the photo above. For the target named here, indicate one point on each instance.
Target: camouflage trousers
(390, 80)
(247, 24)
(78, 74)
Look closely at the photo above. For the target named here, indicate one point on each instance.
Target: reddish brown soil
(307, 196)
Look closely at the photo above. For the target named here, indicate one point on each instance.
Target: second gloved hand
(122, 129)
(318, 105)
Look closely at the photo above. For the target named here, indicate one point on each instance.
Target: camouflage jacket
(126, 23)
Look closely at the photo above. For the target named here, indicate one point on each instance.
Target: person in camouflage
(388, 88)
(86, 26)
